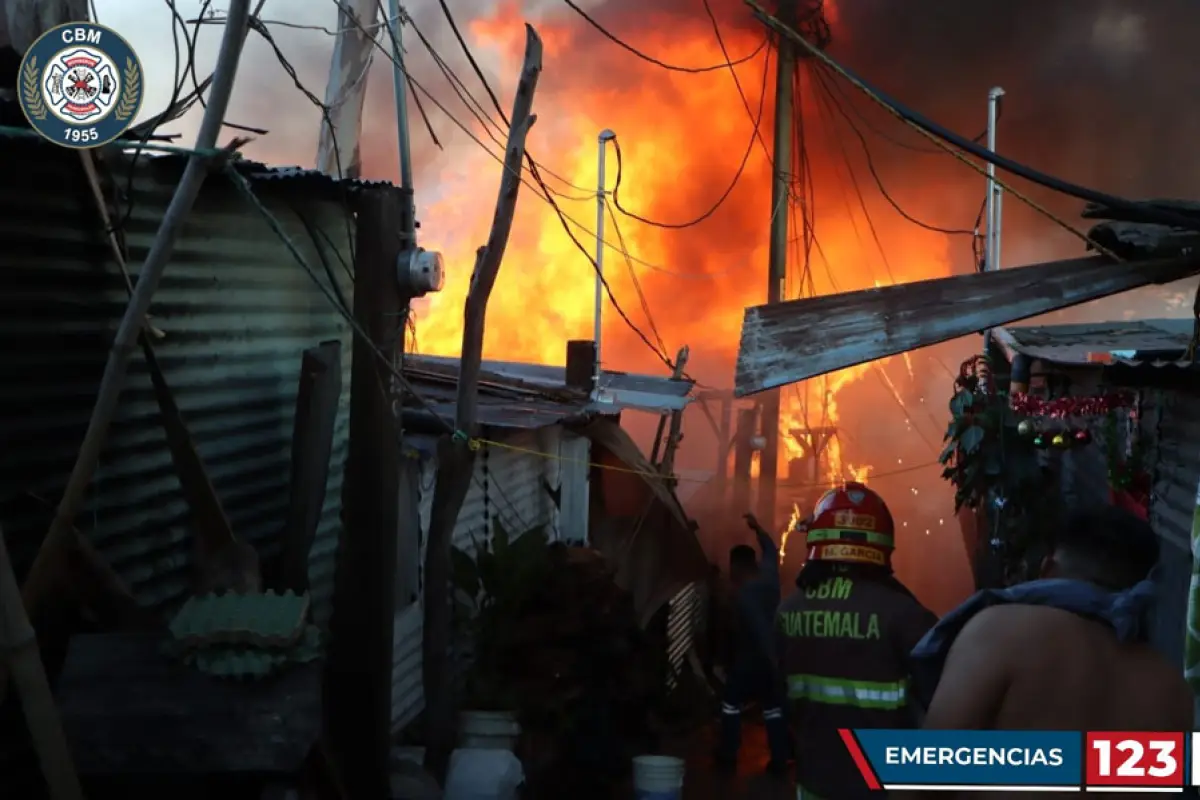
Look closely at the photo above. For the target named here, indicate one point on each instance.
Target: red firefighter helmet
(851, 523)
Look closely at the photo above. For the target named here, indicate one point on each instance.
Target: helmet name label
(852, 552)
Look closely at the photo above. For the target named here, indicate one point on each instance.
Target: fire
(792, 522)
(681, 137)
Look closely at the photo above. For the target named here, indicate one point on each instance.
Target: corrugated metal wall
(509, 485)
(1176, 438)
(238, 311)
(685, 620)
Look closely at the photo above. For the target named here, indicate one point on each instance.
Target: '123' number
(1130, 755)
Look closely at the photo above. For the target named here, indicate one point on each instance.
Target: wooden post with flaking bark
(456, 458)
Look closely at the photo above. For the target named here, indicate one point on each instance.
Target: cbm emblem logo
(80, 85)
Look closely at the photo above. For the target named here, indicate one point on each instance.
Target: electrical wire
(119, 225)
(862, 203)
(756, 122)
(547, 195)
(538, 191)
(832, 101)
(637, 284)
(737, 176)
(492, 129)
(651, 59)
(949, 140)
(934, 151)
(466, 50)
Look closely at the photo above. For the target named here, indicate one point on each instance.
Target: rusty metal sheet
(800, 339)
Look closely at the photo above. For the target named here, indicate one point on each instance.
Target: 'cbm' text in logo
(80, 85)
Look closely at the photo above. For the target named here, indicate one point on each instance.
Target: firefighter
(753, 671)
(844, 638)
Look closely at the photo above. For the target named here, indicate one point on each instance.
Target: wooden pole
(358, 702)
(726, 421)
(743, 458)
(768, 465)
(19, 647)
(338, 143)
(674, 432)
(456, 460)
(41, 575)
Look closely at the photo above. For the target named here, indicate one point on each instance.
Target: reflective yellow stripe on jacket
(842, 692)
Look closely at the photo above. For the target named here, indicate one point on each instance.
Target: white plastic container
(658, 778)
(483, 775)
(488, 730)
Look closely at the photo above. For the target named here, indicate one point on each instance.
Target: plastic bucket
(488, 730)
(658, 778)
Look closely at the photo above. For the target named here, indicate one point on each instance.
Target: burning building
(873, 203)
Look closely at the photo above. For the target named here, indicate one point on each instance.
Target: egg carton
(258, 620)
(239, 662)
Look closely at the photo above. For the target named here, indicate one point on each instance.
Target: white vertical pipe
(601, 199)
(992, 243)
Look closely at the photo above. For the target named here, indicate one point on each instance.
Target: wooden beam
(312, 444)
(359, 703)
(456, 461)
(800, 339)
(674, 432)
(743, 458)
(726, 400)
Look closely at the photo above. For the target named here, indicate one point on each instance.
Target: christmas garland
(1100, 405)
(1126, 466)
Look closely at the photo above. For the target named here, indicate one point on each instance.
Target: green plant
(985, 456)
(993, 467)
(494, 585)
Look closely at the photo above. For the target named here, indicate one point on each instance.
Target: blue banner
(1025, 759)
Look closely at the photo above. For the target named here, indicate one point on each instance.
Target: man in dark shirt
(753, 673)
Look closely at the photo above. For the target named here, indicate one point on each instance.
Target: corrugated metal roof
(295, 177)
(238, 312)
(496, 410)
(1159, 342)
(788, 342)
(618, 390)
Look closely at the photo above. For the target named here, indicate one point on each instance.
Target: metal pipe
(400, 87)
(991, 242)
(605, 137)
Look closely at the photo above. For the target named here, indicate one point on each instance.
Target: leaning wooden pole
(41, 574)
(18, 644)
(456, 459)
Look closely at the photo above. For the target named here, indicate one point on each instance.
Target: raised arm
(769, 563)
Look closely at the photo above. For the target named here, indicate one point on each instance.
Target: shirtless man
(1016, 666)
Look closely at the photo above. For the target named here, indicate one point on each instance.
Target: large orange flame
(681, 138)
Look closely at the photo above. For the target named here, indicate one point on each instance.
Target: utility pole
(338, 144)
(777, 270)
